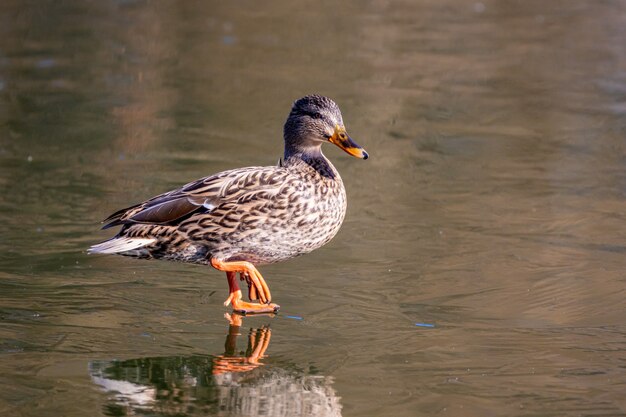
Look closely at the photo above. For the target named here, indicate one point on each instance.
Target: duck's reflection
(234, 383)
(258, 341)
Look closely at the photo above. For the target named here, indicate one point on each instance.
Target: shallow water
(480, 269)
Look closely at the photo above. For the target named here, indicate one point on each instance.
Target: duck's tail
(120, 244)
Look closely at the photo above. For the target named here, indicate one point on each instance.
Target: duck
(241, 218)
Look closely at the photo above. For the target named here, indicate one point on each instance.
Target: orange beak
(345, 142)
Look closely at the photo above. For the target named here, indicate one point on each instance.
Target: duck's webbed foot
(240, 306)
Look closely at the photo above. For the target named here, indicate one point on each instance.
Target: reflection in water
(233, 383)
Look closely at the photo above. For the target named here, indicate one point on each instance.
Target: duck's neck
(313, 157)
(310, 152)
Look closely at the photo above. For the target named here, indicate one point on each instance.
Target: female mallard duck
(236, 219)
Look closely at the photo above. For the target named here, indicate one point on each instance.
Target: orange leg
(235, 297)
(252, 293)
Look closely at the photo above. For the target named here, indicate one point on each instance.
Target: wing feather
(203, 196)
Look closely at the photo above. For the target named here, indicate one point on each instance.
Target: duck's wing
(203, 196)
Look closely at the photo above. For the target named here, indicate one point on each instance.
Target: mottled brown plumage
(248, 216)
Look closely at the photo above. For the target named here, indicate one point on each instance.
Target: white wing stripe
(120, 244)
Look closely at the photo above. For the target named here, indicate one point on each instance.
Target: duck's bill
(345, 142)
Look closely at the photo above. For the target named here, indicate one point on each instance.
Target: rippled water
(480, 270)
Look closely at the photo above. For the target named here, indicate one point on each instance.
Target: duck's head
(314, 120)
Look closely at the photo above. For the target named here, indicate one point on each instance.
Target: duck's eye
(327, 136)
(312, 114)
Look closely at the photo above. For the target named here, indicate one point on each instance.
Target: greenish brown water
(492, 207)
